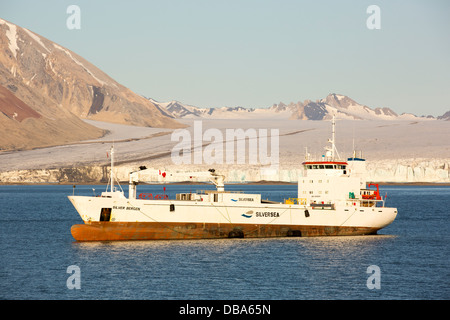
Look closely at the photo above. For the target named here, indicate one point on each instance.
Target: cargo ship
(333, 199)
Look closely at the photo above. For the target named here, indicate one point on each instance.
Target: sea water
(40, 260)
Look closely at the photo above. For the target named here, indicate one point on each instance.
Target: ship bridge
(325, 168)
(332, 180)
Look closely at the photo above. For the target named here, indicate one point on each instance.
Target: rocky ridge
(340, 105)
(61, 88)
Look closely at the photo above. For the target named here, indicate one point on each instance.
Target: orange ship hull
(113, 231)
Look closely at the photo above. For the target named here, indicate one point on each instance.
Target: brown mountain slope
(23, 128)
(62, 87)
(14, 108)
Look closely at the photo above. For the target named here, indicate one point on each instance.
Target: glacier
(387, 171)
(395, 151)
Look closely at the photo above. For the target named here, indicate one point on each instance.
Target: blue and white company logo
(248, 214)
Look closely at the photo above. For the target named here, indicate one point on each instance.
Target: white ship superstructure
(333, 199)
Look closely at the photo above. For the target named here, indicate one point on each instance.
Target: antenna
(333, 133)
(112, 167)
(332, 151)
(353, 141)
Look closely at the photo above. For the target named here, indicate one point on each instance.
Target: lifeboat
(371, 194)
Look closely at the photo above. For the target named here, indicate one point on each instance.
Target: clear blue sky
(254, 53)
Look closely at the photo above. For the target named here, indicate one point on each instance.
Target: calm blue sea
(411, 255)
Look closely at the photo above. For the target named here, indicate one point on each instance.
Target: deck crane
(140, 176)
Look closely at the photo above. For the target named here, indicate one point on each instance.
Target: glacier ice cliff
(398, 171)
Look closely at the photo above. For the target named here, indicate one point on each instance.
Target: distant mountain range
(342, 106)
(46, 89)
(445, 116)
(178, 110)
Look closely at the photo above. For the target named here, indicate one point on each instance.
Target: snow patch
(36, 38)
(79, 63)
(12, 37)
(51, 67)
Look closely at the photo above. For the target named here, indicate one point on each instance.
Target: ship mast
(333, 132)
(332, 152)
(112, 167)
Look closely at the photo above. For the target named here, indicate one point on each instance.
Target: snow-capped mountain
(175, 109)
(342, 106)
(445, 116)
(62, 88)
(179, 110)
